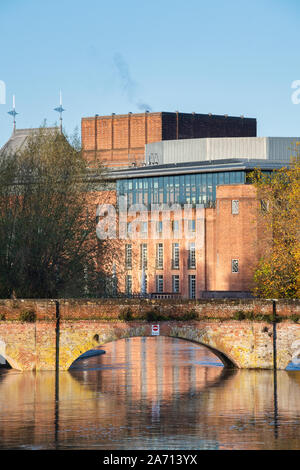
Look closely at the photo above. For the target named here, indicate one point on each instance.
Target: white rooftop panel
(189, 150)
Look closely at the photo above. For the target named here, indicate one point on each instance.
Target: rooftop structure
(119, 140)
(276, 149)
(17, 141)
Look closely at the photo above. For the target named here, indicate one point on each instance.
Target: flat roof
(195, 167)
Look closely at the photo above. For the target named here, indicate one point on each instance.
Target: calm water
(150, 393)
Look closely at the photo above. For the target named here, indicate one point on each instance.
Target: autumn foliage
(48, 243)
(278, 271)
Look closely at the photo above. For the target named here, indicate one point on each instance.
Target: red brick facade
(119, 140)
(220, 238)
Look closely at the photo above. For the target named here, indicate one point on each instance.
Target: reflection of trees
(133, 398)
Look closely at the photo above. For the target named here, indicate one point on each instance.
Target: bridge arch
(97, 337)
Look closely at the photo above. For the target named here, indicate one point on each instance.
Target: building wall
(119, 140)
(236, 237)
(220, 237)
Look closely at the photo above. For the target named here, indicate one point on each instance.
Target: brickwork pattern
(244, 344)
(119, 140)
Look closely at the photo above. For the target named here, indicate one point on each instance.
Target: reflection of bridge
(242, 344)
(95, 407)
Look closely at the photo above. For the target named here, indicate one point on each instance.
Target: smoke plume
(128, 84)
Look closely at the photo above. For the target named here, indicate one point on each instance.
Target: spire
(60, 110)
(13, 113)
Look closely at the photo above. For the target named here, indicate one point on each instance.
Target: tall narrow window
(159, 256)
(128, 285)
(192, 256)
(175, 225)
(159, 283)
(143, 256)
(128, 256)
(235, 207)
(175, 256)
(192, 286)
(234, 265)
(175, 283)
(264, 205)
(144, 228)
(192, 225)
(159, 226)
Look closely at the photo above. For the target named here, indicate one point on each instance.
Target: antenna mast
(60, 110)
(13, 113)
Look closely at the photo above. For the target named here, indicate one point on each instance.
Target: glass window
(192, 225)
(190, 188)
(159, 283)
(159, 226)
(159, 256)
(128, 284)
(144, 227)
(192, 286)
(235, 207)
(175, 256)
(264, 205)
(128, 256)
(175, 284)
(175, 225)
(143, 256)
(234, 265)
(192, 256)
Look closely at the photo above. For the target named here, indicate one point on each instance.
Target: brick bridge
(239, 332)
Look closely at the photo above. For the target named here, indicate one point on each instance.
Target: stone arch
(96, 337)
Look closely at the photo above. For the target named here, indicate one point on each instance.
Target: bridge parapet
(244, 343)
(113, 309)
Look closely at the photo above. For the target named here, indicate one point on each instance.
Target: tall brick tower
(119, 140)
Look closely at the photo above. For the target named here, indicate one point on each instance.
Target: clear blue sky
(221, 56)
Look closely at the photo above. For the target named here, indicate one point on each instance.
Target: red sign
(155, 330)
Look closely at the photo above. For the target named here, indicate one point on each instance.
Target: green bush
(295, 318)
(28, 316)
(2, 316)
(239, 315)
(126, 315)
(263, 317)
(154, 315)
(190, 315)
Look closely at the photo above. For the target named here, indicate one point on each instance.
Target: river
(150, 393)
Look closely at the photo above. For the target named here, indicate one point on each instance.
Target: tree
(278, 271)
(48, 243)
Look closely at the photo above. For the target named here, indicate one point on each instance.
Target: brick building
(203, 239)
(119, 140)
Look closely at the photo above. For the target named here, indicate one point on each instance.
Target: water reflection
(150, 393)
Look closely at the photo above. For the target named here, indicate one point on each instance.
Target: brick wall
(236, 237)
(81, 309)
(119, 140)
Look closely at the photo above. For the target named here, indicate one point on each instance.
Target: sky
(235, 57)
